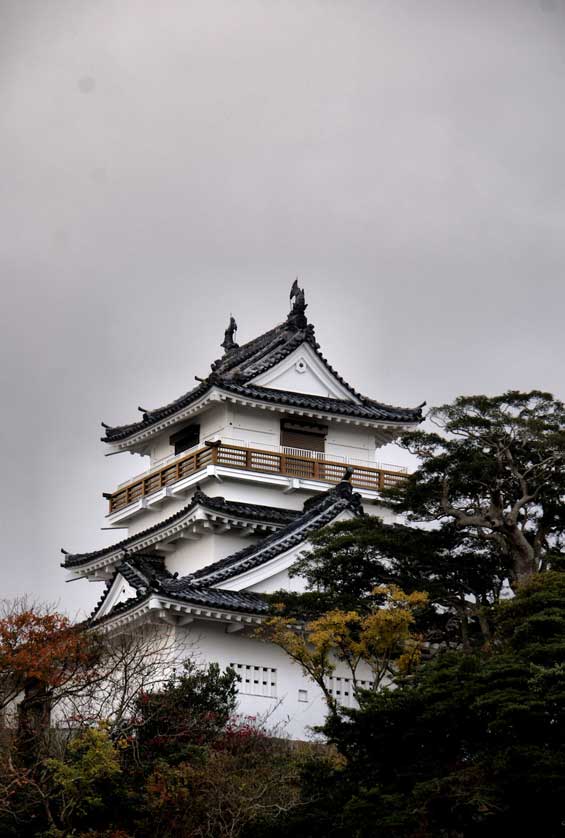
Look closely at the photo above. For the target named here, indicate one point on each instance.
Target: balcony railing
(256, 460)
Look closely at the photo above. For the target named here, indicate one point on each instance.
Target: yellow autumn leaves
(382, 640)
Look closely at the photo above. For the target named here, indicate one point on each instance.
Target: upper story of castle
(272, 423)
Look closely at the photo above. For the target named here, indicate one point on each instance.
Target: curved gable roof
(245, 511)
(147, 574)
(241, 364)
(318, 512)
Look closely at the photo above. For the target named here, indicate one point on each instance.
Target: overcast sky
(165, 164)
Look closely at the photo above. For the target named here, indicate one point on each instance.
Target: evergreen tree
(351, 558)
(487, 504)
(472, 746)
(497, 471)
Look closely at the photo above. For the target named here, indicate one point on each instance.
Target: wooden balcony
(251, 459)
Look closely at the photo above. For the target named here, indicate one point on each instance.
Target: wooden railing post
(213, 447)
(282, 462)
(110, 499)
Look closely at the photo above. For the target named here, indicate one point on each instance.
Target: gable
(272, 575)
(120, 591)
(303, 372)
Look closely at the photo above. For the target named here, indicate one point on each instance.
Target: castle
(272, 445)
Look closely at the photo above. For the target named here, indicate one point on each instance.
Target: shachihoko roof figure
(235, 370)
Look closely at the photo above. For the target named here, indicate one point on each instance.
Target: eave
(385, 431)
(318, 513)
(192, 522)
(155, 607)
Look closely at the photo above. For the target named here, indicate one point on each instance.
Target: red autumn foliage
(43, 648)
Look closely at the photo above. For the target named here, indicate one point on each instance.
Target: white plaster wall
(259, 428)
(253, 427)
(152, 516)
(213, 422)
(303, 372)
(279, 582)
(169, 506)
(349, 441)
(246, 491)
(161, 448)
(232, 490)
(120, 591)
(209, 642)
(236, 490)
(301, 382)
(190, 556)
(246, 426)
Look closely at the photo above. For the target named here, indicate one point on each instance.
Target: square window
(303, 695)
(186, 438)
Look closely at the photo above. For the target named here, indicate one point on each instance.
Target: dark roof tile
(240, 365)
(247, 511)
(199, 596)
(147, 573)
(367, 410)
(318, 513)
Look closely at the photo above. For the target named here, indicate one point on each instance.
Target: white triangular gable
(303, 372)
(273, 575)
(120, 590)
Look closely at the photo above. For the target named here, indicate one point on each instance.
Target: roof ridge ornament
(199, 496)
(348, 474)
(297, 314)
(344, 488)
(229, 343)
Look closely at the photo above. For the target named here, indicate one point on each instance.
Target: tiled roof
(246, 511)
(150, 418)
(143, 571)
(217, 598)
(318, 512)
(146, 573)
(263, 352)
(107, 589)
(240, 365)
(212, 598)
(367, 410)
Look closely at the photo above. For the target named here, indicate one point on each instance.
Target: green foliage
(191, 711)
(473, 745)
(95, 786)
(351, 558)
(470, 744)
(382, 638)
(497, 472)
(80, 783)
(244, 775)
(533, 623)
(491, 488)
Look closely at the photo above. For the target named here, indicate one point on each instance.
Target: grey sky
(163, 164)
